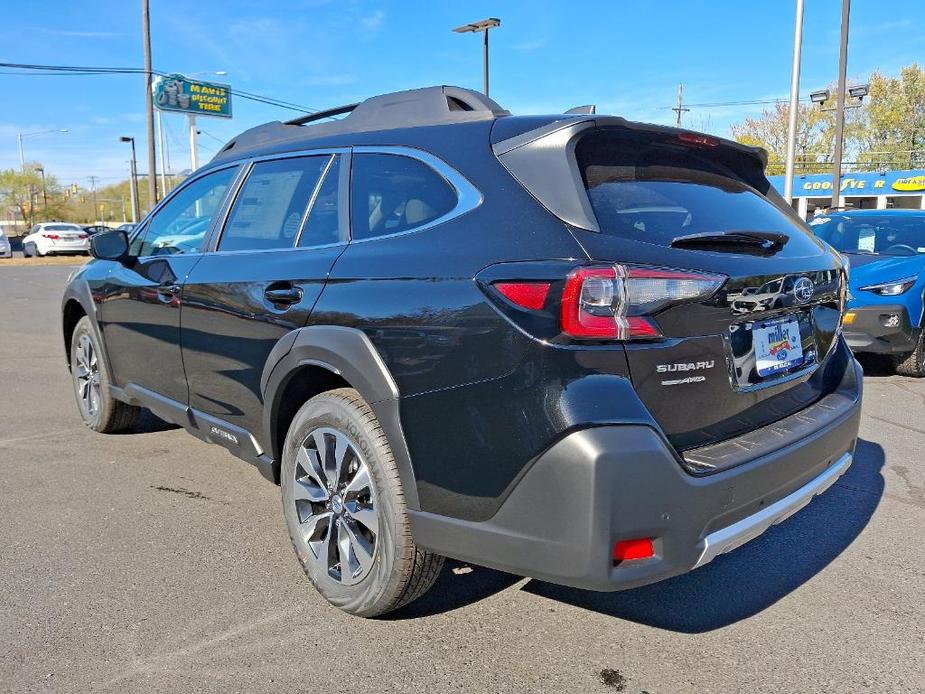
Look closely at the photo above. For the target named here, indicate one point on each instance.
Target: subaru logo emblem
(803, 290)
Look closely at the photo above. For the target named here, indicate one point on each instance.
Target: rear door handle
(283, 295)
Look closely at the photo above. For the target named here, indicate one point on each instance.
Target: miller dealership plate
(777, 347)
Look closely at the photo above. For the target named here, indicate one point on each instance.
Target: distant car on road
(6, 251)
(887, 282)
(95, 228)
(55, 238)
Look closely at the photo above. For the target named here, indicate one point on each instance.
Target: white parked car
(6, 251)
(55, 238)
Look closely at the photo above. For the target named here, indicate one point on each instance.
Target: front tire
(912, 363)
(98, 409)
(345, 508)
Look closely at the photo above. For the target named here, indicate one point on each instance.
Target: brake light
(83, 236)
(529, 295)
(698, 140)
(53, 237)
(616, 302)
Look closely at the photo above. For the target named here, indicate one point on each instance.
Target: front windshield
(881, 234)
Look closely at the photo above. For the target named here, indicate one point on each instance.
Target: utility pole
(41, 170)
(149, 104)
(93, 180)
(794, 104)
(679, 109)
(840, 107)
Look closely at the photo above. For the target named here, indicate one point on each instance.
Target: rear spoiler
(543, 161)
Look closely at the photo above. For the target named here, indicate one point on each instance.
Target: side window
(322, 226)
(180, 225)
(393, 193)
(270, 208)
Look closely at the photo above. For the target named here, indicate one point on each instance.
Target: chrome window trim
(468, 197)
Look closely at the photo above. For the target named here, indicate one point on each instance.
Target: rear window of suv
(649, 189)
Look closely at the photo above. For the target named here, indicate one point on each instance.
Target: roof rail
(321, 115)
(415, 107)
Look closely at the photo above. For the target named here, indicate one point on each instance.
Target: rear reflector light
(640, 548)
(698, 140)
(530, 295)
(615, 302)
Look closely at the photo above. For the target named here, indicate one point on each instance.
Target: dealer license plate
(777, 347)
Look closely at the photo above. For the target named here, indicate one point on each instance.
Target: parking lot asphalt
(153, 562)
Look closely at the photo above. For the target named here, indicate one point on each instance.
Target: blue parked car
(887, 253)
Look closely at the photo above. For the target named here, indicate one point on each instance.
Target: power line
(74, 70)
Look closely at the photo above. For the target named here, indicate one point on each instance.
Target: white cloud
(528, 46)
(374, 20)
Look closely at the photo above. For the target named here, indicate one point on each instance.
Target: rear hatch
(65, 236)
(750, 352)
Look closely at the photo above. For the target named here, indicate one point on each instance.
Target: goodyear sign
(872, 183)
(177, 93)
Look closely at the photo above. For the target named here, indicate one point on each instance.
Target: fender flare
(348, 353)
(80, 292)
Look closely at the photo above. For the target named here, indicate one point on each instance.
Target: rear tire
(98, 409)
(25, 251)
(347, 518)
(912, 363)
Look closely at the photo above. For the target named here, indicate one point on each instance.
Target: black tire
(25, 251)
(912, 363)
(398, 572)
(102, 413)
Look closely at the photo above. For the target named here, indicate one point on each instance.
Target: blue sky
(626, 57)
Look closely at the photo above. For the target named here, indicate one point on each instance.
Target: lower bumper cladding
(606, 484)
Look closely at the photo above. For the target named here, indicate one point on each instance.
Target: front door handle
(169, 291)
(283, 295)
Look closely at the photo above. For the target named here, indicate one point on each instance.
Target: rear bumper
(883, 329)
(608, 483)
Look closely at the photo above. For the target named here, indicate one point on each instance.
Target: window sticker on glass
(867, 239)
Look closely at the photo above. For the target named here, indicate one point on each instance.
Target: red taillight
(698, 140)
(53, 237)
(529, 295)
(83, 236)
(639, 548)
(615, 302)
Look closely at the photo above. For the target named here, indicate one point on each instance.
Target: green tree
(22, 190)
(893, 133)
(769, 131)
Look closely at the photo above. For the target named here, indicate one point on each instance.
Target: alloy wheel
(335, 504)
(87, 375)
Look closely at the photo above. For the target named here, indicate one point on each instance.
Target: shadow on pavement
(733, 587)
(876, 365)
(148, 423)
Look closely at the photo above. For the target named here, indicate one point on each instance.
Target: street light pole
(193, 143)
(840, 107)
(794, 104)
(483, 25)
(134, 179)
(19, 139)
(149, 104)
(41, 170)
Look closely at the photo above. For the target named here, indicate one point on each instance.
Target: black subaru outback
(572, 347)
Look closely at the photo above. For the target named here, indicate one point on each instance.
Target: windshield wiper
(754, 241)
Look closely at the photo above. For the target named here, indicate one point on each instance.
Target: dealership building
(861, 191)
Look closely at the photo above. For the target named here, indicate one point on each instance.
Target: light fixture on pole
(483, 25)
(21, 136)
(794, 111)
(820, 97)
(133, 180)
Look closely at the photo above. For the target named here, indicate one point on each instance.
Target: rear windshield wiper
(755, 241)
